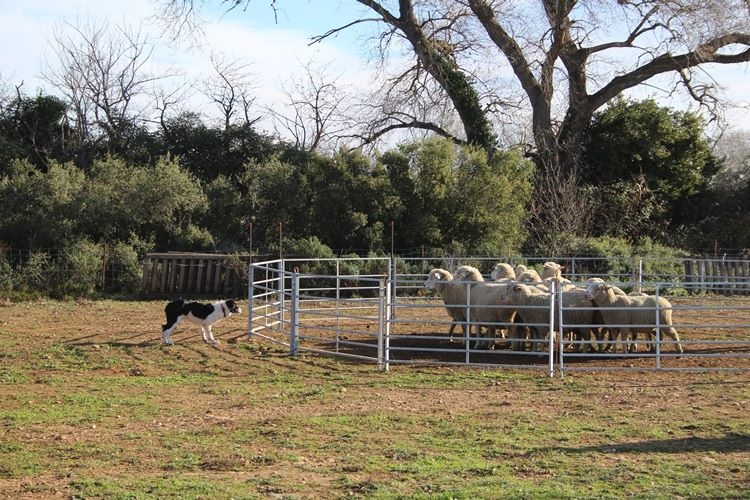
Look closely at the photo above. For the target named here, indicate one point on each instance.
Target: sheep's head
(595, 288)
(437, 278)
(519, 269)
(529, 276)
(552, 270)
(468, 273)
(521, 289)
(503, 270)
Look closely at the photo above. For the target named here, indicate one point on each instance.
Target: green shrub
(80, 269)
(39, 273)
(124, 269)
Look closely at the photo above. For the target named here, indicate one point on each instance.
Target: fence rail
(390, 319)
(193, 275)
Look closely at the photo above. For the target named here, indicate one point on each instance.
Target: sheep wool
(503, 270)
(626, 315)
(453, 291)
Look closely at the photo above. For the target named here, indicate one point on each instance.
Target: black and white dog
(203, 315)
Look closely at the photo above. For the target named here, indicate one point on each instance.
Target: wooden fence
(192, 275)
(728, 276)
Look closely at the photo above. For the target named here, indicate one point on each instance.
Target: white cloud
(274, 52)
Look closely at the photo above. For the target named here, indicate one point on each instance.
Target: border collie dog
(203, 315)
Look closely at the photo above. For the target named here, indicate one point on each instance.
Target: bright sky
(274, 51)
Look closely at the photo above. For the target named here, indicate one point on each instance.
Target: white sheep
(503, 271)
(560, 283)
(520, 268)
(625, 314)
(533, 310)
(552, 270)
(453, 291)
(529, 276)
(488, 309)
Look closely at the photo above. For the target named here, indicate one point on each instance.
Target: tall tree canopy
(646, 162)
(560, 59)
(478, 64)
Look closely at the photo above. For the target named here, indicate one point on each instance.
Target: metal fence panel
(391, 318)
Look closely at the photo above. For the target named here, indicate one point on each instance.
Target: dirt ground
(57, 354)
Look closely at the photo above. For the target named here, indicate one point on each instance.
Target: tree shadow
(732, 442)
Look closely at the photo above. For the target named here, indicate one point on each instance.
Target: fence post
(392, 273)
(657, 329)
(637, 273)
(467, 324)
(293, 319)
(552, 295)
(250, 299)
(382, 322)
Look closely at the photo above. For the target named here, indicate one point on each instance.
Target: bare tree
(103, 74)
(315, 117)
(564, 58)
(734, 147)
(230, 88)
(568, 57)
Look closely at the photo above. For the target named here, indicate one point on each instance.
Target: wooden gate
(192, 275)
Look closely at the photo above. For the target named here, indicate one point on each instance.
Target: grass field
(93, 406)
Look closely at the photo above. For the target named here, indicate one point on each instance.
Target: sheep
(519, 269)
(635, 312)
(503, 270)
(529, 276)
(453, 294)
(533, 310)
(552, 270)
(560, 283)
(487, 307)
(598, 319)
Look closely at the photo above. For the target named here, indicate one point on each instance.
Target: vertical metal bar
(250, 300)
(381, 322)
(387, 333)
(294, 319)
(467, 330)
(561, 351)
(392, 274)
(573, 269)
(282, 291)
(551, 334)
(657, 330)
(338, 303)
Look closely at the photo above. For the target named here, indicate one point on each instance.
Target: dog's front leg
(167, 332)
(208, 335)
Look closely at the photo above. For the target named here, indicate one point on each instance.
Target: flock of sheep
(515, 306)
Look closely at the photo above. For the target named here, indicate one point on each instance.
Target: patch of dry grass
(94, 406)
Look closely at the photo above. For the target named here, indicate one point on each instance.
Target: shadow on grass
(728, 443)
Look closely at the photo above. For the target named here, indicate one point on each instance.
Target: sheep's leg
(452, 329)
(625, 340)
(632, 342)
(672, 333)
(608, 338)
(585, 336)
